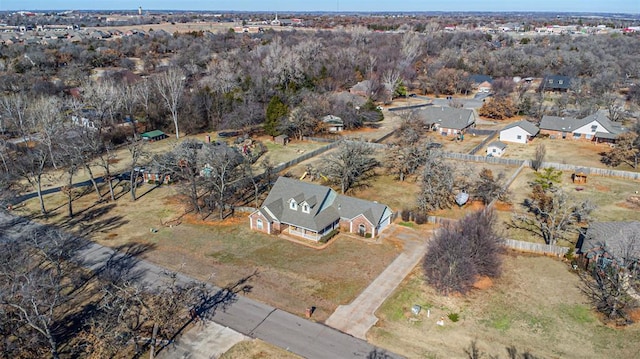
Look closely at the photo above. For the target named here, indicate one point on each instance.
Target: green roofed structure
(155, 135)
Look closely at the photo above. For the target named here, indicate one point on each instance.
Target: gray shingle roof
(556, 123)
(569, 124)
(498, 144)
(447, 117)
(556, 82)
(529, 127)
(325, 205)
(614, 237)
(602, 117)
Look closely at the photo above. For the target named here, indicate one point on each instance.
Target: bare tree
(350, 165)
(402, 161)
(137, 150)
(626, 150)
(36, 281)
(45, 114)
(436, 184)
(552, 214)
(461, 252)
(184, 163)
(391, 79)
(222, 168)
(170, 87)
(538, 157)
(487, 188)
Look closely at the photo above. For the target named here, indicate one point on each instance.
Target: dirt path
(358, 317)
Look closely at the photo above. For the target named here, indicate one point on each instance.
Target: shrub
(421, 218)
(454, 317)
(460, 253)
(405, 215)
(328, 236)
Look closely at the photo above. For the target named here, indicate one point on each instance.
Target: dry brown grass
(290, 276)
(256, 349)
(536, 306)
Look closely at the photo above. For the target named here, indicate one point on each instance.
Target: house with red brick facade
(597, 127)
(312, 211)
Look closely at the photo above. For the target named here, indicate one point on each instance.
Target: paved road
(246, 316)
(358, 317)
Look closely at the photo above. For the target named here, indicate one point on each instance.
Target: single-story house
(446, 120)
(555, 83)
(496, 149)
(155, 135)
(610, 243)
(478, 79)
(333, 123)
(519, 132)
(312, 211)
(596, 127)
(484, 87)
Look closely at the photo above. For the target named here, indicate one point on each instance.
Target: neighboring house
(610, 243)
(496, 149)
(555, 83)
(484, 87)
(477, 79)
(155, 175)
(519, 132)
(333, 123)
(596, 127)
(447, 120)
(312, 211)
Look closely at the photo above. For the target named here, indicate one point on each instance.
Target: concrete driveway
(358, 317)
(204, 341)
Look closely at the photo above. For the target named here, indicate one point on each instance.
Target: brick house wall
(253, 219)
(357, 221)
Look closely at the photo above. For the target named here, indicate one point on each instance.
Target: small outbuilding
(155, 135)
(496, 149)
(281, 140)
(333, 123)
(580, 175)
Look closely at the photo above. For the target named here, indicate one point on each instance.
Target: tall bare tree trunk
(154, 334)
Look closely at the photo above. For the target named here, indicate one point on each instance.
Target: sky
(603, 6)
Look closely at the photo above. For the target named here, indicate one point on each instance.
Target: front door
(362, 230)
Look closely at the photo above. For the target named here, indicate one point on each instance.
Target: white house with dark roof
(446, 120)
(519, 132)
(312, 211)
(597, 127)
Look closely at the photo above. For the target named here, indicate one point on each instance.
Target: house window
(576, 135)
(519, 137)
(588, 136)
(494, 150)
(560, 82)
(293, 205)
(551, 81)
(259, 224)
(594, 128)
(305, 208)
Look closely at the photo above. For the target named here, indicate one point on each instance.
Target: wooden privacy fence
(538, 248)
(492, 135)
(282, 166)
